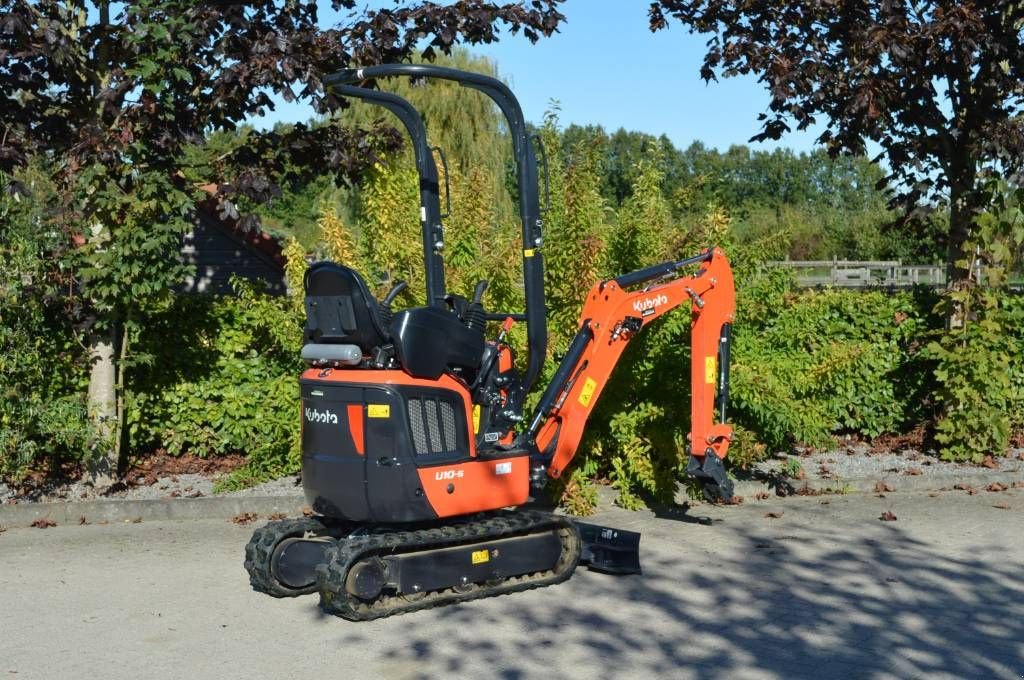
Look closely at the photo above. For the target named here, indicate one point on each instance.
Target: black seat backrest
(341, 309)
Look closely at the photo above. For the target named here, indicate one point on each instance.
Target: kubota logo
(448, 474)
(650, 303)
(314, 416)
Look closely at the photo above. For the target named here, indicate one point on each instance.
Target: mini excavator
(416, 452)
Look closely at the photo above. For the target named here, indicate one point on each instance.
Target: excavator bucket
(611, 551)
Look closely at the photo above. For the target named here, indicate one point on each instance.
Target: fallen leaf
(965, 487)
(933, 495)
(774, 515)
(82, 520)
(276, 516)
(2, 528)
(1002, 506)
(996, 486)
(1018, 485)
(913, 472)
(990, 463)
(824, 501)
(44, 523)
(887, 516)
(882, 487)
(761, 495)
(245, 518)
(134, 520)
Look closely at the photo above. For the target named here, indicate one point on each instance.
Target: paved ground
(825, 591)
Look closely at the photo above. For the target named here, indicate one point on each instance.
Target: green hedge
(219, 375)
(805, 365)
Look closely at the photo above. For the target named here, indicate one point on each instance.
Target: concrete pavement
(824, 591)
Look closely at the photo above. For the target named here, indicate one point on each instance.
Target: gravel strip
(854, 468)
(857, 463)
(174, 486)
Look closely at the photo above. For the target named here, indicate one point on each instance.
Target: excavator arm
(614, 312)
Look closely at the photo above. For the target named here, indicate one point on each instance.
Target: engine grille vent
(432, 421)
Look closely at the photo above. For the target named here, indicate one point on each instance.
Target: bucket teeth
(710, 472)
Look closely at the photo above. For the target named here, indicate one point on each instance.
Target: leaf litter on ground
(245, 518)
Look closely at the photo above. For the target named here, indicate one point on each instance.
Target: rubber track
(334, 599)
(261, 548)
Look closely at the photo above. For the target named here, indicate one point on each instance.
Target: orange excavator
(417, 450)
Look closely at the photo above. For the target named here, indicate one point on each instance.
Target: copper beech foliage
(134, 88)
(935, 83)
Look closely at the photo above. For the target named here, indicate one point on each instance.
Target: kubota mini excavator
(415, 448)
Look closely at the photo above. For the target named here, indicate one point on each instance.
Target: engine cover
(380, 446)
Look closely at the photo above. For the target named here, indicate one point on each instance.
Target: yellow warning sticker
(476, 419)
(378, 410)
(709, 370)
(587, 393)
(481, 556)
(528, 252)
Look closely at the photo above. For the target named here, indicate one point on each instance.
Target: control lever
(385, 304)
(393, 293)
(478, 292)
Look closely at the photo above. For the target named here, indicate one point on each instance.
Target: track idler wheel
(281, 556)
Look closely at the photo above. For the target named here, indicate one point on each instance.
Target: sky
(606, 68)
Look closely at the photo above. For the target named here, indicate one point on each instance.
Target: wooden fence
(864, 274)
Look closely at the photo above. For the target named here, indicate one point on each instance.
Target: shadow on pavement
(802, 604)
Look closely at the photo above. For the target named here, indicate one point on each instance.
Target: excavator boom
(614, 312)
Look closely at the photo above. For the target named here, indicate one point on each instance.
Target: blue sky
(605, 67)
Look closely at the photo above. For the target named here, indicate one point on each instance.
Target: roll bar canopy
(430, 202)
(526, 175)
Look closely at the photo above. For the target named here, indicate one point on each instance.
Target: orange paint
(607, 306)
(476, 485)
(355, 426)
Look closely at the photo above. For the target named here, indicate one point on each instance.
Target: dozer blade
(611, 551)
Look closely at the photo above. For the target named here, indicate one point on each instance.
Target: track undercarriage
(363, 572)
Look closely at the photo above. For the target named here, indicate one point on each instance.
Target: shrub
(42, 368)
(218, 375)
(979, 359)
(827, 361)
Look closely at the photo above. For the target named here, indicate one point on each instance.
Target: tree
(116, 104)
(935, 83)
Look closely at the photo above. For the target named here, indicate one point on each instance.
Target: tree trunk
(102, 406)
(962, 199)
(960, 216)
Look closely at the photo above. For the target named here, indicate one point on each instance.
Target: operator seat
(344, 323)
(340, 310)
